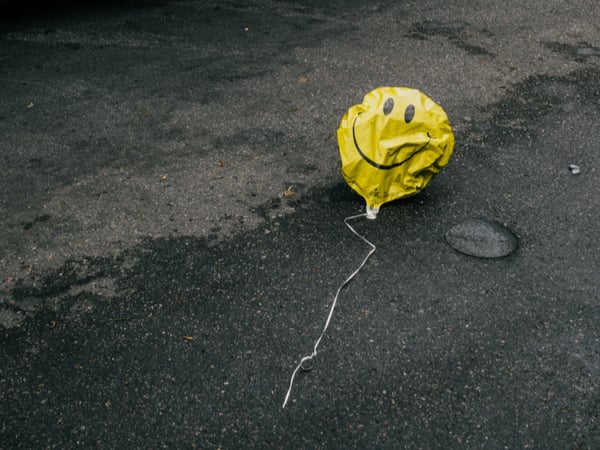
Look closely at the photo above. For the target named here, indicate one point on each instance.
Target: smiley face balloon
(392, 144)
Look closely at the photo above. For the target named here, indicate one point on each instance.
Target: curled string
(307, 362)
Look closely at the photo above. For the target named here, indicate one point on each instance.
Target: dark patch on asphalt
(427, 28)
(16, 11)
(427, 348)
(39, 219)
(456, 32)
(302, 169)
(72, 273)
(513, 118)
(198, 344)
(580, 52)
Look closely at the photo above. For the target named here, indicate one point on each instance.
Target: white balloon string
(310, 358)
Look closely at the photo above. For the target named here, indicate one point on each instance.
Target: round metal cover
(482, 238)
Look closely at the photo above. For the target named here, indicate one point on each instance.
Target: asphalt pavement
(172, 215)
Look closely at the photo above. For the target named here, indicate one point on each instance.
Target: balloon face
(392, 144)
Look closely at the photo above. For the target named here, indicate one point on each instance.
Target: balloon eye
(388, 106)
(409, 113)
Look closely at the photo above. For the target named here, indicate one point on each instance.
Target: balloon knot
(372, 212)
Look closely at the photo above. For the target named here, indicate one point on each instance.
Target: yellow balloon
(392, 144)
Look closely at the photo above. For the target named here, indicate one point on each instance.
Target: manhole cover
(482, 238)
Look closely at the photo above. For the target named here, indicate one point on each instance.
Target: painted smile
(376, 164)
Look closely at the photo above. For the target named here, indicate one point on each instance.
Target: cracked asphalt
(172, 215)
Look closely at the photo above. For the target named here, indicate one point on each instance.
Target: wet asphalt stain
(28, 225)
(69, 275)
(183, 341)
(197, 341)
(61, 293)
(456, 32)
(581, 52)
(514, 117)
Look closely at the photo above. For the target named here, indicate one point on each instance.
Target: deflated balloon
(392, 144)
